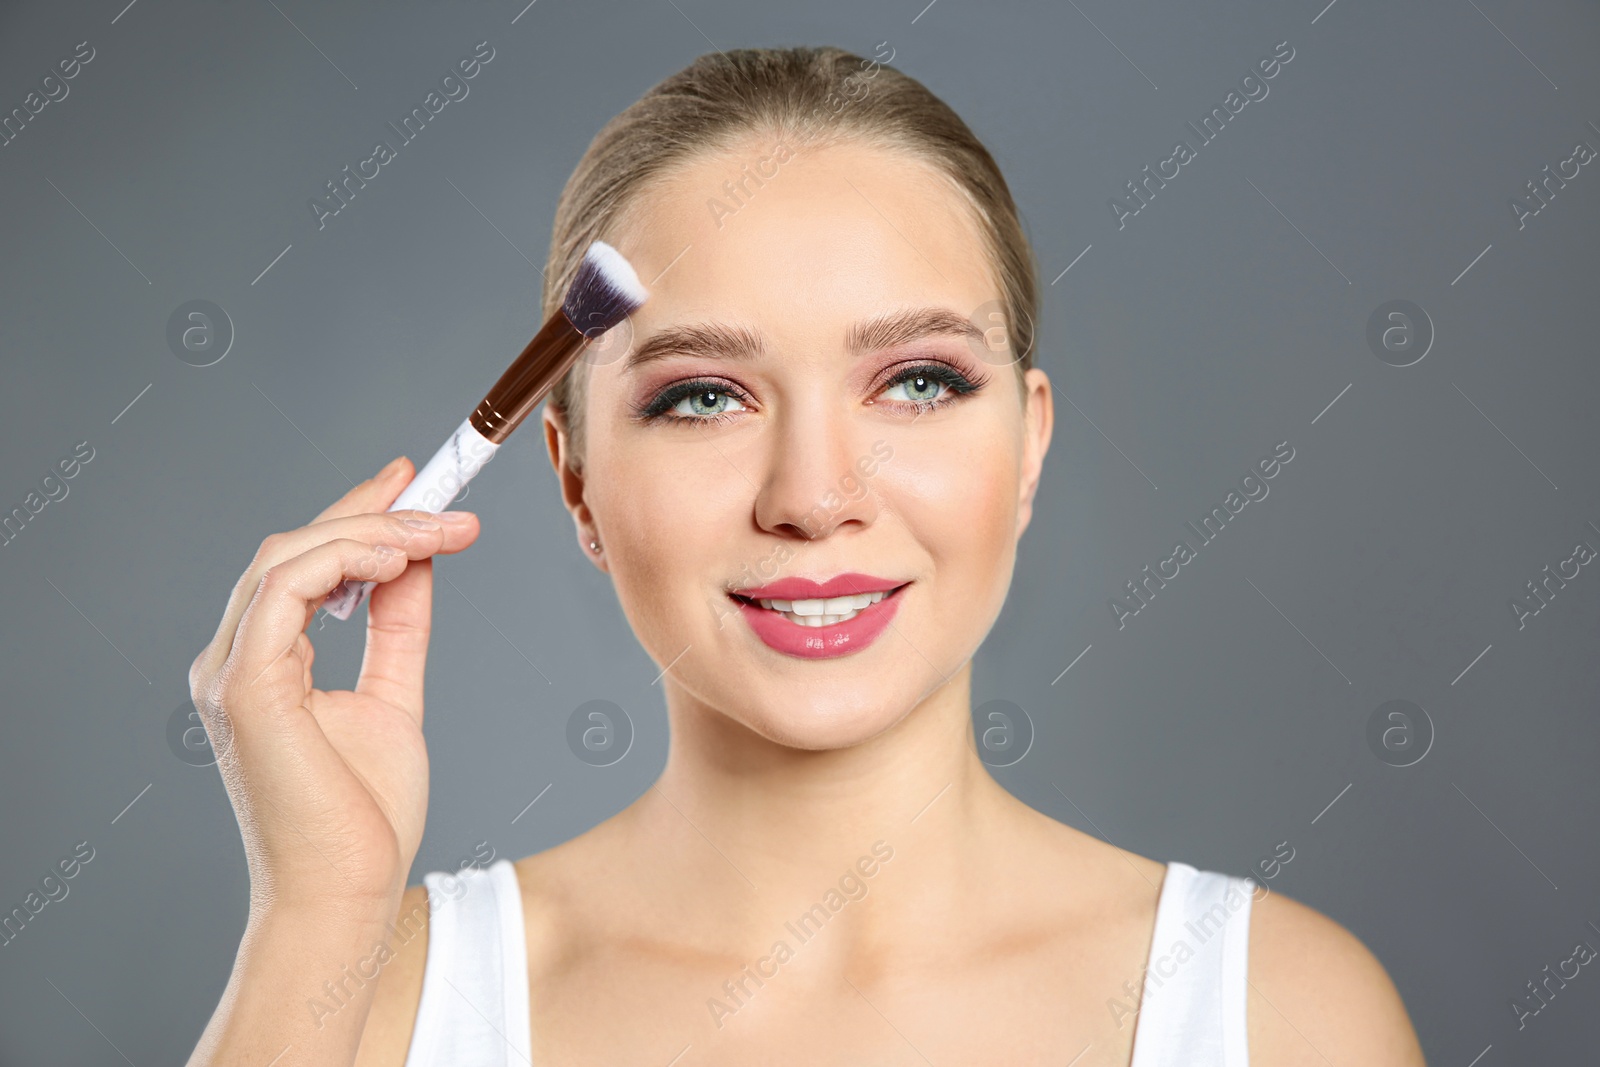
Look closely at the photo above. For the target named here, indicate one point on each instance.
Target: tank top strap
(1192, 1010)
(474, 1006)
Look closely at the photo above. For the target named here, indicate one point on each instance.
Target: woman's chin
(824, 725)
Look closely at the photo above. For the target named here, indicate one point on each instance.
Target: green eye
(702, 403)
(696, 400)
(927, 386)
(932, 385)
(921, 388)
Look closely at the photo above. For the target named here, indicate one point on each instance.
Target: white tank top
(474, 1006)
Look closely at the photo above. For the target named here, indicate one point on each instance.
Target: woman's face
(762, 427)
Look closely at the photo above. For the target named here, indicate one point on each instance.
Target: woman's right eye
(692, 401)
(702, 403)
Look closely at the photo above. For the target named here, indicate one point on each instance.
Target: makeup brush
(603, 293)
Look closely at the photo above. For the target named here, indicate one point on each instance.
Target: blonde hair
(803, 97)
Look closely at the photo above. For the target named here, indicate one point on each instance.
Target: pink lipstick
(820, 620)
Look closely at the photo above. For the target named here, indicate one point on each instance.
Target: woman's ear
(558, 442)
(1038, 421)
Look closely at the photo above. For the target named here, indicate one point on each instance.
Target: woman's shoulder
(1317, 994)
(561, 906)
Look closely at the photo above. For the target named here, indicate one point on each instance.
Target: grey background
(1226, 718)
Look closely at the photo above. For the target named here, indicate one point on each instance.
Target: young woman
(830, 392)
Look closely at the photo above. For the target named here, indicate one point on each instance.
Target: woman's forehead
(764, 228)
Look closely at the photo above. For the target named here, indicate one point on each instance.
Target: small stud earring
(594, 546)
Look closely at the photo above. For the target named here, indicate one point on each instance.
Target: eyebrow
(739, 343)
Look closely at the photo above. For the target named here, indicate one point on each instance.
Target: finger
(308, 655)
(285, 600)
(399, 622)
(253, 695)
(407, 529)
(374, 494)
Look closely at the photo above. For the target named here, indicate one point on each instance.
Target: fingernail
(385, 551)
(455, 516)
(421, 524)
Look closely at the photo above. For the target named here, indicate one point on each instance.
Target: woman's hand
(330, 787)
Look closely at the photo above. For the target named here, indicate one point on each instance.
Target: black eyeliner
(675, 392)
(664, 401)
(942, 372)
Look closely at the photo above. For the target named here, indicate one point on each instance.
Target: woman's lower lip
(821, 642)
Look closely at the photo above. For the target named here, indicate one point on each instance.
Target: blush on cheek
(964, 514)
(990, 515)
(968, 484)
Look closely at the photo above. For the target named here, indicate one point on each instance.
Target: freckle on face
(838, 235)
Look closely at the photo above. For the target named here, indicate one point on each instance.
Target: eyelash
(957, 386)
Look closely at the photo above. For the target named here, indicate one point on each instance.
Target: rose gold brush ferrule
(548, 356)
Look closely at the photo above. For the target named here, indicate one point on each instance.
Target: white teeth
(838, 605)
(824, 612)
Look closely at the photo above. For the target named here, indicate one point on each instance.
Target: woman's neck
(784, 817)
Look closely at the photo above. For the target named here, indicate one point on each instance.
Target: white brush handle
(434, 487)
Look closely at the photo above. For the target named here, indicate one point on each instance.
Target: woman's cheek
(965, 517)
(995, 499)
(623, 508)
(966, 492)
(664, 533)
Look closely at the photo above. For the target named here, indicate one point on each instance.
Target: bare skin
(986, 932)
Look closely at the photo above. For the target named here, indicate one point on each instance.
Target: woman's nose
(813, 480)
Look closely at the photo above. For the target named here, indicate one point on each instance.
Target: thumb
(399, 623)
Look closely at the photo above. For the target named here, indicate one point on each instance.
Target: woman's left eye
(922, 386)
